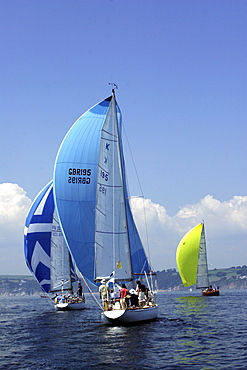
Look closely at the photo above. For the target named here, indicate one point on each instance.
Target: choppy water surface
(192, 332)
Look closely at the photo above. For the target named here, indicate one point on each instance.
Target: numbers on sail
(56, 230)
(79, 175)
(104, 175)
(102, 189)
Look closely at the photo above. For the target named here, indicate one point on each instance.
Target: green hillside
(230, 278)
(19, 285)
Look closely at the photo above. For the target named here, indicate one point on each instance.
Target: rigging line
(149, 287)
(142, 194)
(90, 291)
(115, 136)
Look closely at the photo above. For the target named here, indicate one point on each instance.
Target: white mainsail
(202, 272)
(60, 260)
(112, 251)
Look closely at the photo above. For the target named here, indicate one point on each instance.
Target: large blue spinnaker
(82, 189)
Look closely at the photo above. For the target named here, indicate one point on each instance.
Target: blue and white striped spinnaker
(45, 249)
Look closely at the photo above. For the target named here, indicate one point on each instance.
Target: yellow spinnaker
(187, 255)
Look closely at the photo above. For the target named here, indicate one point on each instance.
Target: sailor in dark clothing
(79, 290)
(142, 292)
(133, 298)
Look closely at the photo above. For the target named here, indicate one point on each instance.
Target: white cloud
(225, 225)
(14, 205)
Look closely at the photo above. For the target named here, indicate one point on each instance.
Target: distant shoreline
(232, 278)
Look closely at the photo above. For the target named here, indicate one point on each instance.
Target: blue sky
(181, 71)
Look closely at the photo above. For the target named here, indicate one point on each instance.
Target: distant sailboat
(47, 255)
(191, 257)
(94, 212)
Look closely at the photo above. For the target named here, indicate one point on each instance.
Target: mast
(123, 184)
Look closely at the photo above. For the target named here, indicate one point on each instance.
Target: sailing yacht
(47, 255)
(92, 203)
(191, 257)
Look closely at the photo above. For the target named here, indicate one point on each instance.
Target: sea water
(192, 332)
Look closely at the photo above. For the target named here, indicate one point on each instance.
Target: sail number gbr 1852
(79, 175)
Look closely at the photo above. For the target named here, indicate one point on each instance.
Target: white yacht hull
(129, 316)
(70, 306)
